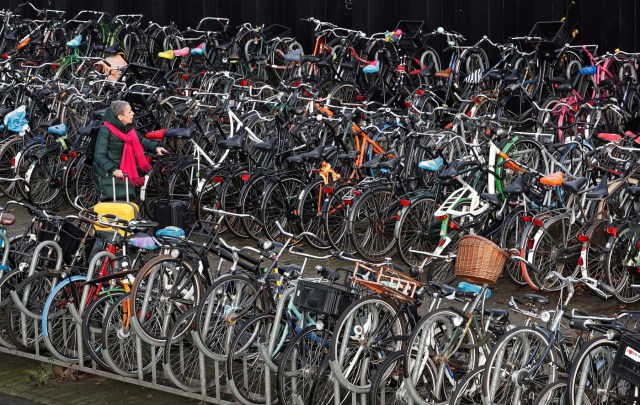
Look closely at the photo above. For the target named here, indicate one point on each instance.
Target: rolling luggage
(123, 210)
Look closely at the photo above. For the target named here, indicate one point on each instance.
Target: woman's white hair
(118, 107)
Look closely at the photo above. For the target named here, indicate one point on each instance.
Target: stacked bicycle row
(131, 303)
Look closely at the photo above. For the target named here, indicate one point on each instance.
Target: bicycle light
(265, 245)
(545, 316)
(175, 253)
(319, 325)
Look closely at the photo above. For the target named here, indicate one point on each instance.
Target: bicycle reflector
(64, 158)
(245, 176)
(328, 190)
(537, 222)
(419, 92)
(404, 202)
(613, 231)
(583, 238)
(73, 154)
(638, 245)
(243, 82)
(526, 218)
(442, 217)
(580, 261)
(359, 97)
(218, 179)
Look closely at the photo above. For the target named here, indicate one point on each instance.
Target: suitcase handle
(126, 185)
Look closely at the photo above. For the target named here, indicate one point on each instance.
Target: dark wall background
(610, 23)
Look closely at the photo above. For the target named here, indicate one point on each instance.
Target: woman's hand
(118, 173)
(161, 151)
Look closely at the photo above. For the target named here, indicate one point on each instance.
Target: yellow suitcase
(123, 210)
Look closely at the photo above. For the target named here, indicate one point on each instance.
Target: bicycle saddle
(156, 135)
(99, 114)
(59, 130)
(497, 314)
(373, 163)
(575, 185)
(496, 74)
(50, 123)
(310, 58)
(198, 50)
(432, 165)
(293, 56)
(609, 137)
(7, 219)
(353, 155)
(258, 58)
(268, 145)
(451, 171)
(443, 288)
(373, 67)
(536, 298)
(75, 42)
(392, 164)
(601, 190)
(234, 143)
(5, 111)
(313, 155)
(516, 187)
(181, 133)
(327, 273)
(634, 190)
(566, 86)
(444, 74)
(181, 52)
(493, 199)
(166, 54)
(224, 47)
(112, 49)
(514, 76)
(352, 65)
(290, 271)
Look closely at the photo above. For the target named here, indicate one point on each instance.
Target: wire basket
(479, 260)
(322, 298)
(626, 364)
(387, 282)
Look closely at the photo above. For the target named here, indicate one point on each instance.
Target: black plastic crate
(626, 364)
(323, 298)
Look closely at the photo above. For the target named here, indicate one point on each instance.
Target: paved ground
(15, 381)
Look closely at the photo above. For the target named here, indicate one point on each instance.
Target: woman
(120, 150)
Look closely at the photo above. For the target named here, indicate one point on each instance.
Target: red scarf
(132, 155)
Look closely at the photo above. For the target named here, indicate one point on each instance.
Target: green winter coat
(107, 156)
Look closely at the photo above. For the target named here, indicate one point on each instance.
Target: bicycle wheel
(23, 330)
(366, 332)
(335, 215)
(310, 212)
(250, 202)
(29, 153)
(553, 394)
(182, 362)
(246, 366)
(345, 93)
(323, 389)
(184, 184)
(372, 224)
(279, 202)
(621, 264)
(9, 149)
(59, 327)
(92, 320)
(229, 201)
(417, 230)
(9, 282)
(85, 185)
(469, 390)
(300, 363)
(164, 288)
(452, 349)
(519, 367)
(387, 386)
(555, 249)
(120, 342)
(511, 237)
(43, 190)
(590, 378)
(229, 302)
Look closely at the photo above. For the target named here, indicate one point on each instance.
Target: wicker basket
(479, 260)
